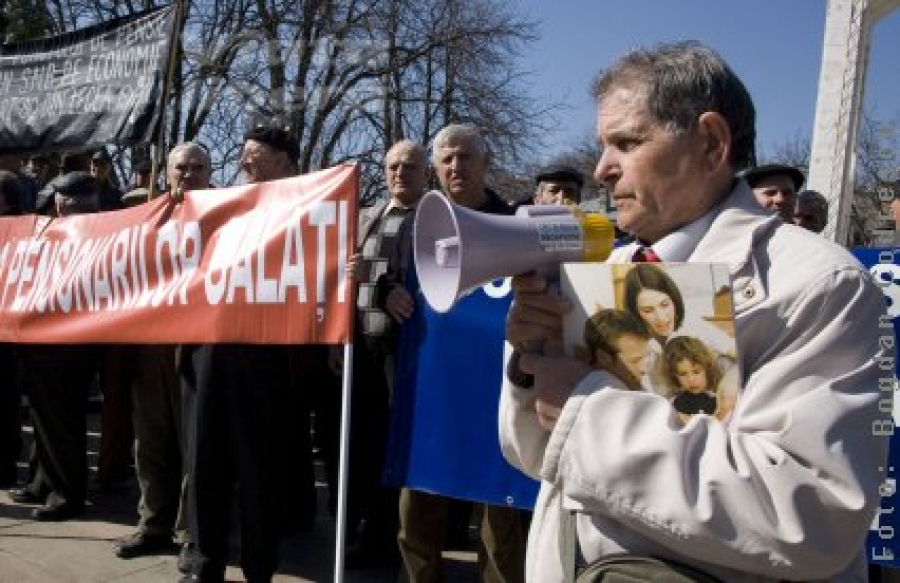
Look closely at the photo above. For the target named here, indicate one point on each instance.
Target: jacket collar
(740, 223)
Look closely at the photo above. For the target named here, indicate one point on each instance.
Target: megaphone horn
(458, 249)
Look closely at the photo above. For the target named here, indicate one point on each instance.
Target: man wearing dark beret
(269, 153)
(69, 162)
(244, 419)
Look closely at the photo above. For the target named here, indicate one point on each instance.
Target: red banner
(261, 263)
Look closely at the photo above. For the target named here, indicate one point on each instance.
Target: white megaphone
(458, 250)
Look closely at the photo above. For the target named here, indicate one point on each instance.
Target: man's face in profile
(658, 180)
(100, 170)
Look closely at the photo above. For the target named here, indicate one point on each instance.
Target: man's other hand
(399, 304)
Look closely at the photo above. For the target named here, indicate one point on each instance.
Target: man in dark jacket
(58, 378)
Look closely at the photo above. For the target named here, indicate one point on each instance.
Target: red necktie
(645, 255)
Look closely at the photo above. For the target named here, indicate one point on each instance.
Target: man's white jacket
(785, 491)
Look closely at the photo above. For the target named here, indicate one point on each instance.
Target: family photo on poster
(661, 328)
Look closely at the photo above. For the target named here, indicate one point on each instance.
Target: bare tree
(793, 151)
(22, 20)
(348, 77)
(877, 169)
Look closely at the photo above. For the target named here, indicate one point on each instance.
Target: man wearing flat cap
(775, 187)
(558, 184)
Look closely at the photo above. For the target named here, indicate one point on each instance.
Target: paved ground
(81, 550)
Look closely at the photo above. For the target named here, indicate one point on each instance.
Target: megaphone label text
(560, 237)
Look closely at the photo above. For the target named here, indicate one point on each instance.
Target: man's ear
(716, 136)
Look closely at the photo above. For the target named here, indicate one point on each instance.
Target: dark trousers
(159, 443)
(423, 527)
(61, 377)
(313, 388)
(367, 499)
(238, 399)
(10, 415)
(116, 433)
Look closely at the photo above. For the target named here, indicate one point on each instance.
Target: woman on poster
(652, 295)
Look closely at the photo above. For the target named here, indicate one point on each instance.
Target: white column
(845, 54)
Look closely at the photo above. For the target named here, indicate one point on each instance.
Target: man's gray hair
(414, 147)
(191, 148)
(456, 133)
(817, 205)
(682, 81)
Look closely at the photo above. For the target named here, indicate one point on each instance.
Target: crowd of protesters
(190, 416)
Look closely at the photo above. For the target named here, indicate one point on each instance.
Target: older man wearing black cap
(775, 187)
(558, 184)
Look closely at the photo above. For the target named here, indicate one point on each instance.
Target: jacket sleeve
(522, 439)
(788, 487)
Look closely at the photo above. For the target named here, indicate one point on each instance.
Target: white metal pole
(343, 464)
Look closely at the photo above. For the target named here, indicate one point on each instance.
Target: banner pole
(341, 525)
(160, 141)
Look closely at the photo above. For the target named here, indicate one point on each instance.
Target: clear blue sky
(775, 46)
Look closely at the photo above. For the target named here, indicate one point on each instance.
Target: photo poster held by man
(662, 328)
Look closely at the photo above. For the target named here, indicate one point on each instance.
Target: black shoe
(142, 543)
(57, 512)
(186, 558)
(25, 496)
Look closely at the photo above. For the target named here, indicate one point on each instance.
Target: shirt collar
(394, 204)
(679, 246)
